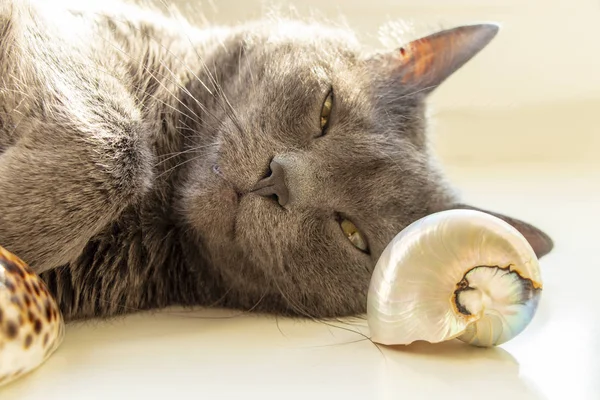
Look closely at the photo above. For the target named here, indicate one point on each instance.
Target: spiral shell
(455, 274)
(31, 325)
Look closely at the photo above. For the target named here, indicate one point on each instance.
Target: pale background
(518, 131)
(533, 94)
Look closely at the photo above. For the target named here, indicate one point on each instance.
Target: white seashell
(31, 324)
(455, 274)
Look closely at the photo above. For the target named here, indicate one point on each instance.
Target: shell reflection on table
(227, 354)
(517, 129)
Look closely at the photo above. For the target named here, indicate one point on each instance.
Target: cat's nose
(273, 184)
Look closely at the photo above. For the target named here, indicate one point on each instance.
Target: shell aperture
(455, 274)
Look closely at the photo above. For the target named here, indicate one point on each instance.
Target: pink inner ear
(417, 60)
(427, 62)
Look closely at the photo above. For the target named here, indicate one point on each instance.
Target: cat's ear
(541, 243)
(425, 63)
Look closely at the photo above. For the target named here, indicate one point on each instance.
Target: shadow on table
(491, 373)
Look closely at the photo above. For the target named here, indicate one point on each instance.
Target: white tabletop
(218, 354)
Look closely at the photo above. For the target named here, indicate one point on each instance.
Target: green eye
(354, 235)
(326, 111)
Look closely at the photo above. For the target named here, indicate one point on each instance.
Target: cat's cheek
(211, 210)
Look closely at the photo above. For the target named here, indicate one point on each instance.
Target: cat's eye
(326, 112)
(354, 235)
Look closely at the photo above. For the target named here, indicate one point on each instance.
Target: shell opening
(498, 296)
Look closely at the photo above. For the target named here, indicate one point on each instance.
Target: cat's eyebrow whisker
(14, 88)
(199, 120)
(202, 107)
(233, 113)
(170, 156)
(145, 34)
(172, 15)
(232, 117)
(146, 107)
(186, 91)
(219, 93)
(15, 91)
(16, 110)
(216, 124)
(217, 87)
(195, 132)
(179, 165)
(15, 80)
(157, 80)
(187, 128)
(173, 108)
(190, 129)
(249, 66)
(191, 149)
(240, 66)
(14, 129)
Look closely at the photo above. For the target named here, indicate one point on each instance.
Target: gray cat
(146, 163)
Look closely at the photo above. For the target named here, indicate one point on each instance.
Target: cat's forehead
(300, 47)
(285, 32)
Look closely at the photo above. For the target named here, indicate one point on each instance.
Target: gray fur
(129, 148)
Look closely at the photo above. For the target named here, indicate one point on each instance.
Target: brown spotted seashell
(31, 325)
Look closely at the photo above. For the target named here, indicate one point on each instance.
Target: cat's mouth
(236, 193)
(231, 196)
(234, 203)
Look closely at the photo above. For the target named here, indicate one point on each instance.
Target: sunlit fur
(130, 141)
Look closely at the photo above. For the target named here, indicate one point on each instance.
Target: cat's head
(316, 157)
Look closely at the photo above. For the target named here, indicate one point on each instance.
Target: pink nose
(273, 184)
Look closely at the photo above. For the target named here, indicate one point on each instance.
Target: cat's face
(348, 136)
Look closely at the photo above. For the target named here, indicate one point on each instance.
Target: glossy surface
(31, 327)
(457, 273)
(180, 355)
(512, 127)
